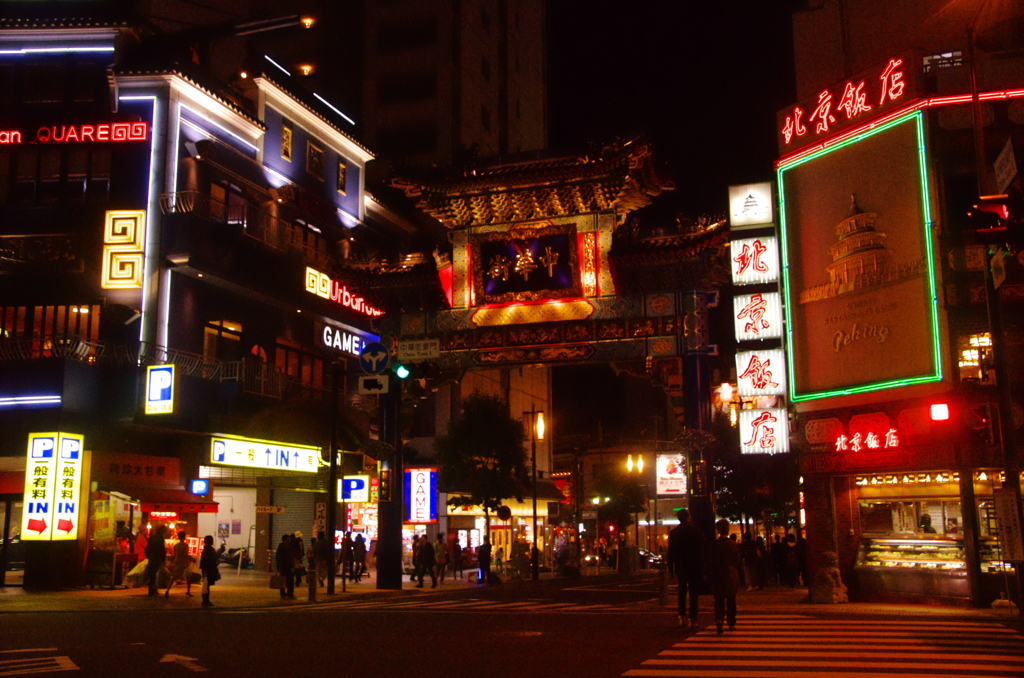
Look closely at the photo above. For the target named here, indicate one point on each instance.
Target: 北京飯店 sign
(71, 134)
(886, 87)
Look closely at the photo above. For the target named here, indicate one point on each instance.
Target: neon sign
(322, 285)
(69, 134)
(850, 102)
(124, 248)
(757, 316)
(860, 441)
(421, 495)
(755, 261)
(764, 431)
(761, 373)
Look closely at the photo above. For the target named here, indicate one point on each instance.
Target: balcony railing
(255, 223)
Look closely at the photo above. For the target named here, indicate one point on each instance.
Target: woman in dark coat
(208, 562)
(724, 569)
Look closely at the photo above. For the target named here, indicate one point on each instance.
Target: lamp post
(536, 433)
(636, 515)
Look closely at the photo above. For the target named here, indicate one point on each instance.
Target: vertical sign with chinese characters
(764, 431)
(761, 373)
(754, 260)
(757, 316)
(421, 495)
(53, 482)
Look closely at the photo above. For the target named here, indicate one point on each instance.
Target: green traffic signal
(401, 371)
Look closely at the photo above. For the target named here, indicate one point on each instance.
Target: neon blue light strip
(212, 123)
(333, 108)
(917, 117)
(23, 401)
(278, 65)
(55, 50)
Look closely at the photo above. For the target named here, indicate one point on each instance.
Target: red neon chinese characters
(892, 81)
(747, 259)
(793, 125)
(758, 373)
(755, 311)
(859, 441)
(823, 112)
(854, 101)
(763, 435)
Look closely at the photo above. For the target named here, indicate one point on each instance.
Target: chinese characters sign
(529, 264)
(761, 373)
(764, 431)
(886, 87)
(863, 441)
(755, 261)
(670, 474)
(53, 481)
(757, 316)
(135, 470)
(421, 495)
(234, 451)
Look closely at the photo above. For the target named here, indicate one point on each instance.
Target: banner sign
(670, 473)
(159, 389)
(53, 481)
(237, 451)
(421, 495)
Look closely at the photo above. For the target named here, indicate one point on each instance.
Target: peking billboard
(858, 264)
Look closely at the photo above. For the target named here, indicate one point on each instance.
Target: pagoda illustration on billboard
(860, 260)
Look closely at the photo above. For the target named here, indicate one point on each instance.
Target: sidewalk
(247, 589)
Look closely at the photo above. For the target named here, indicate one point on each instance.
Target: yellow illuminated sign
(124, 237)
(53, 483)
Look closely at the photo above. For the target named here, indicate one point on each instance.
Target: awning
(546, 490)
(177, 501)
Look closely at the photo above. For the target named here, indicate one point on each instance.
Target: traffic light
(416, 371)
(402, 371)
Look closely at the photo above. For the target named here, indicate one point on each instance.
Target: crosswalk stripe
(738, 641)
(772, 673)
(845, 655)
(827, 662)
(858, 633)
(856, 623)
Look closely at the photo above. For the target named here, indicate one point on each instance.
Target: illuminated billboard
(670, 475)
(859, 275)
(266, 454)
(421, 495)
(53, 483)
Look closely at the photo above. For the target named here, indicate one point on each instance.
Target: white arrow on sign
(187, 662)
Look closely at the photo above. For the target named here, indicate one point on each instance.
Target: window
(342, 176)
(37, 322)
(222, 341)
(49, 174)
(314, 160)
(297, 364)
(43, 83)
(286, 142)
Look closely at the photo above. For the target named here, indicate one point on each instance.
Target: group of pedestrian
(156, 557)
(726, 566)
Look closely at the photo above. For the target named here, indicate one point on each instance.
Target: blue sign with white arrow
(374, 358)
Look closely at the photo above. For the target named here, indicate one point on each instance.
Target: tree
(482, 456)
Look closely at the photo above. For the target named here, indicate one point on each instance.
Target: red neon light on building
(111, 131)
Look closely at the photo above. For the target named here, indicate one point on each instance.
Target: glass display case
(921, 554)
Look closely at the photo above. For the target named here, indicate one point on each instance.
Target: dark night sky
(702, 78)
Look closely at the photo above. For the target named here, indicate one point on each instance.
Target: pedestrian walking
(724, 573)
(321, 552)
(298, 553)
(156, 556)
(458, 561)
(751, 555)
(483, 559)
(778, 555)
(208, 565)
(499, 560)
(440, 556)
(791, 566)
(686, 562)
(180, 561)
(426, 562)
(358, 558)
(285, 561)
(763, 564)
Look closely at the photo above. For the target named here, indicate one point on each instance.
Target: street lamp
(536, 433)
(639, 466)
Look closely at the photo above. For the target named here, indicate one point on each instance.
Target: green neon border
(917, 117)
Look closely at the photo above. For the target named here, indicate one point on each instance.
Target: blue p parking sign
(160, 389)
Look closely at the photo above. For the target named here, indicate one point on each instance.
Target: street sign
(418, 350)
(373, 385)
(269, 509)
(374, 358)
